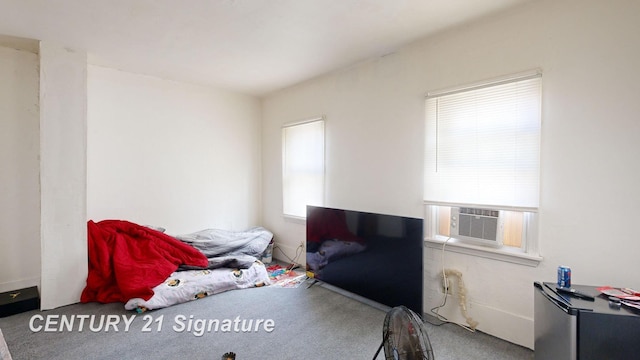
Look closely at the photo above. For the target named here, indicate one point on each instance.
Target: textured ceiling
(250, 46)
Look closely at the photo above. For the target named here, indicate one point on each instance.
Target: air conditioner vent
(477, 225)
(481, 212)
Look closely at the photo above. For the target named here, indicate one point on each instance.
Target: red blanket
(127, 260)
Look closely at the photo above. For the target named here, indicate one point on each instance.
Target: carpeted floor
(262, 323)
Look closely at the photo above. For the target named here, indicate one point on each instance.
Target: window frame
(529, 253)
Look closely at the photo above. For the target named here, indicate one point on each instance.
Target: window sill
(295, 219)
(501, 254)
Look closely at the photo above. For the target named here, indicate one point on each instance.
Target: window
(483, 151)
(302, 166)
(511, 230)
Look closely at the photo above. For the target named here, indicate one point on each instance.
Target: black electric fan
(404, 336)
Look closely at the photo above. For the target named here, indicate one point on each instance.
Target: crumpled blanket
(230, 249)
(183, 286)
(127, 260)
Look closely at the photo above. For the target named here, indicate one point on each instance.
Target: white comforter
(183, 286)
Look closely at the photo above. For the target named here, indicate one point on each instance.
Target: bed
(146, 269)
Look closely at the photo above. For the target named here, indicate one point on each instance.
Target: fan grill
(405, 336)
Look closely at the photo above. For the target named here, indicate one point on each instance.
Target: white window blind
(302, 166)
(483, 144)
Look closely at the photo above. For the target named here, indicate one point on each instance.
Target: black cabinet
(17, 301)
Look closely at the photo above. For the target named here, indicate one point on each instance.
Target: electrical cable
(461, 293)
(295, 258)
(445, 283)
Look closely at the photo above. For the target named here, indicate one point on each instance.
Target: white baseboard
(19, 284)
(510, 327)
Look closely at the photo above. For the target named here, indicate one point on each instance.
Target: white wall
(588, 51)
(19, 170)
(171, 154)
(63, 174)
(43, 177)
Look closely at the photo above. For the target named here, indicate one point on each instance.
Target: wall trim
(507, 326)
(485, 251)
(19, 284)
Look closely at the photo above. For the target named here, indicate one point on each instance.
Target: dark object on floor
(229, 356)
(18, 301)
(404, 336)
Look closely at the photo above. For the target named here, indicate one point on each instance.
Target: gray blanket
(230, 249)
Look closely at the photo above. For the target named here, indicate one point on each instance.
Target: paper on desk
(610, 291)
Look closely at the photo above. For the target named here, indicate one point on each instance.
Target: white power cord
(445, 283)
(294, 261)
(462, 292)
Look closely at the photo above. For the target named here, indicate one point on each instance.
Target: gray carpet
(314, 323)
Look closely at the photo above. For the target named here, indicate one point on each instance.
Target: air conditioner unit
(484, 226)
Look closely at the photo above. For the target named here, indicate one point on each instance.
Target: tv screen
(376, 256)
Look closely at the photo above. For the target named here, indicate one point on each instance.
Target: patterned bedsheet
(183, 286)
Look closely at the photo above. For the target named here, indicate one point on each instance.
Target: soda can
(564, 276)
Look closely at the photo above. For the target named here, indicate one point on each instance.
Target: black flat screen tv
(376, 256)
